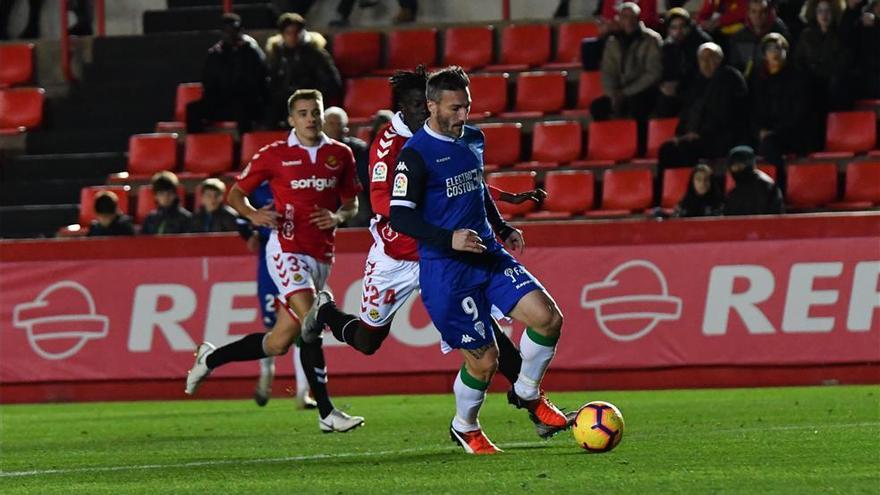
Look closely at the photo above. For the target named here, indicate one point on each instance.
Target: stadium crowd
(745, 79)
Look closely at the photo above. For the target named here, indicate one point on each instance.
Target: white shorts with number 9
(293, 272)
(388, 283)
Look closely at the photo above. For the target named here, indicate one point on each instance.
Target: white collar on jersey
(292, 140)
(437, 135)
(400, 126)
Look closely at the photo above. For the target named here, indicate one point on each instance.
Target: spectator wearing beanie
(755, 193)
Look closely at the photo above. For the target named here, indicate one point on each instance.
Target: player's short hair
(343, 117)
(290, 19)
(213, 184)
(106, 203)
(165, 181)
(305, 94)
(404, 81)
(452, 78)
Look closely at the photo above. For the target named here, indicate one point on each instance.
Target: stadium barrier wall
(647, 304)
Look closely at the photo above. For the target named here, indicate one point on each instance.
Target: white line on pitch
(438, 449)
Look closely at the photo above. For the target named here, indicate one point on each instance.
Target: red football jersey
(383, 158)
(300, 179)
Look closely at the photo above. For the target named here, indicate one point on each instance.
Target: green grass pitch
(770, 440)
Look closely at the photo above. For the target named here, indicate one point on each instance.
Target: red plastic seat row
(203, 153)
(522, 46)
(849, 133)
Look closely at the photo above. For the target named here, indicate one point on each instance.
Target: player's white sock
(266, 365)
(302, 383)
(537, 352)
(469, 395)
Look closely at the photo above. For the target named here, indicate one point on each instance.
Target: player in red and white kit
(309, 175)
(391, 273)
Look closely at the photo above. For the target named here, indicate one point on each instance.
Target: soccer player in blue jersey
(268, 293)
(439, 198)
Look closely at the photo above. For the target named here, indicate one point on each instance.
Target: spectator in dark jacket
(755, 193)
(744, 47)
(234, 79)
(866, 43)
(213, 215)
(168, 217)
(782, 118)
(108, 219)
(703, 197)
(632, 65)
(683, 38)
(297, 59)
(823, 56)
(336, 127)
(713, 117)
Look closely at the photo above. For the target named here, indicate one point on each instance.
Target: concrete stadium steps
(255, 15)
(36, 220)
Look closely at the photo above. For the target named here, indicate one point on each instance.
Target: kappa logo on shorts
(380, 172)
(467, 339)
(400, 186)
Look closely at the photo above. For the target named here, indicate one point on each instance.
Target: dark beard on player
(447, 129)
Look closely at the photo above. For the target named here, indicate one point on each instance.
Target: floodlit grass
(770, 440)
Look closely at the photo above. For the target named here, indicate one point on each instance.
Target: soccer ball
(598, 427)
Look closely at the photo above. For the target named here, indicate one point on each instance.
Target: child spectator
(168, 217)
(108, 220)
(755, 193)
(213, 215)
(703, 196)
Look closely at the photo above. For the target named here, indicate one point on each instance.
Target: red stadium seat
(514, 182)
(469, 47)
(568, 43)
(146, 201)
(659, 131)
(589, 88)
(357, 52)
(16, 64)
(538, 93)
(569, 192)
(675, 185)
(208, 153)
(812, 185)
(611, 141)
(862, 186)
(21, 109)
(251, 142)
(558, 142)
(365, 96)
(411, 47)
(151, 153)
(503, 143)
(87, 201)
(488, 95)
(186, 93)
(625, 192)
(523, 46)
(848, 133)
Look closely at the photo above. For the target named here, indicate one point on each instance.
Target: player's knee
(550, 320)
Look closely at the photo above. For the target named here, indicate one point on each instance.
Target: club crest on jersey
(400, 186)
(332, 163)
(380, 172)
